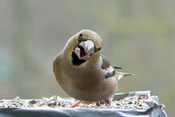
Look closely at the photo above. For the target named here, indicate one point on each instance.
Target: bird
(83, 72)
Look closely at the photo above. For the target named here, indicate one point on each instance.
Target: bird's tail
(121, 74)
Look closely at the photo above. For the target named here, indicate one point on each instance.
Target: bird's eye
(80, 37)
(99, 49)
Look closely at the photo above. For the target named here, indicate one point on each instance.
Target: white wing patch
(120, 77)
(109, 72)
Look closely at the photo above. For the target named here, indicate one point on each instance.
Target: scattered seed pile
(131, 102)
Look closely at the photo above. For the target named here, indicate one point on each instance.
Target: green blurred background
(138, 35)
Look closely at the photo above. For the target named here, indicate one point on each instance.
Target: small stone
(32, 102)
(18, 99)
(52, 103)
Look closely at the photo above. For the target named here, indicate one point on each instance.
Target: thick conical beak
(85, 49)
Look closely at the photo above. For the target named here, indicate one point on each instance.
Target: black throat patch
(75, 60)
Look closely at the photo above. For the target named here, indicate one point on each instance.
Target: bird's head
(89, 43)
(83, 45)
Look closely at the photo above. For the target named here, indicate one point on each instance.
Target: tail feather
(121, 74)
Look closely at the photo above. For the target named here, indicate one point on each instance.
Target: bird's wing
(105, 62)
(108, 69)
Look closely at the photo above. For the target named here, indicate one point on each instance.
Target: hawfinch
(83, 72)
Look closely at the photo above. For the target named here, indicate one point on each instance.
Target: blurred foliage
(138, 35)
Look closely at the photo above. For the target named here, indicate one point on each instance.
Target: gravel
(131, 102)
